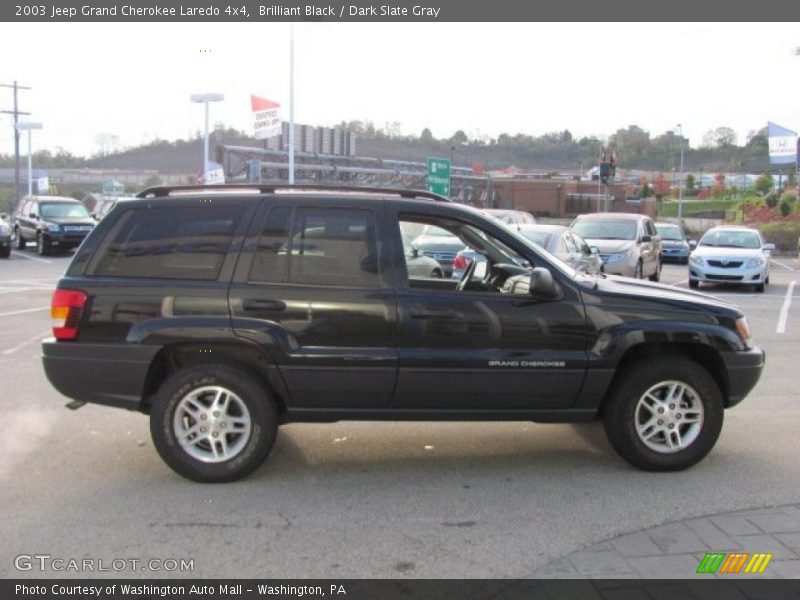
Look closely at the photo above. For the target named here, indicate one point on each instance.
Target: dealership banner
(266, 116)
(782, 145)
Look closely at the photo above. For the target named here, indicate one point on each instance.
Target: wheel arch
(241, 355)
(704, 355)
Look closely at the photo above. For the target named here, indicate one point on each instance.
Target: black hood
(664, 297)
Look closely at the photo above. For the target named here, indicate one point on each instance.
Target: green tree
(691, 185)
(426, 136)
(764, 183)
(459, 137)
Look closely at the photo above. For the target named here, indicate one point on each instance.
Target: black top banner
(395, 10)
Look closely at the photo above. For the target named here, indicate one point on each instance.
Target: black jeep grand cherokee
(225, 312)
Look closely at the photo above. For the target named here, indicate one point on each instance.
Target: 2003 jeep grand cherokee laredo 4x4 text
(225, 312)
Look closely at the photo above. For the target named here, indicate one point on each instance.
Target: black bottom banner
(393, 589)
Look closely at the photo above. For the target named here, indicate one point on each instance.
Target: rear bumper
(109, 374)
(744, 370)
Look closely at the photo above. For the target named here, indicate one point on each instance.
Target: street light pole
(680, 181)
(291, 103)
(205, 99)
(29, 127)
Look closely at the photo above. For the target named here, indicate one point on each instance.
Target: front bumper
(677, 254)
(64, 240)
(621, 267)
(739, 275)
(109, 374)
(744, 370)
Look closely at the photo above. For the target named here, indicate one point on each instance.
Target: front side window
(318, 246)
(170, 242)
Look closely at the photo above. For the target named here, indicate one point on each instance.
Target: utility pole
(16, 112)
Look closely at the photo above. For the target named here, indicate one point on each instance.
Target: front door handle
(263, 304)
(430, 313)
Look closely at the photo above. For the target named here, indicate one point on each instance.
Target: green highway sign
(439, 176)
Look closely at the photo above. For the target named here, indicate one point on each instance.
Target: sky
(133, 80)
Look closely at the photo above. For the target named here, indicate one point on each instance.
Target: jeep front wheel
(664, 413)
(213, 423)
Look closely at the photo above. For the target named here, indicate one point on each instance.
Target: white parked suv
(733, 255)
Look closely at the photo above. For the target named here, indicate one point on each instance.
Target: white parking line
(26, 342)
(11, 290)
(780, 264)
(784, 314)
(22, 312)
(29, 257)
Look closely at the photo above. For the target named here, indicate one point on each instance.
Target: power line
(16, 112)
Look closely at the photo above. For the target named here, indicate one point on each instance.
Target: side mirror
(414, 252)
(594, 250)
(33, 216)
(646, 238)
(542, 284)
(769, 247)
(4, 216)
(692, 244)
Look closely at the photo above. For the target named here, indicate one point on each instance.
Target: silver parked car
(628, 243)
(730, 254)
(419, 265)
(556, 239)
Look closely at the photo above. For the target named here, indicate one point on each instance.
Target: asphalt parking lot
(355, 499)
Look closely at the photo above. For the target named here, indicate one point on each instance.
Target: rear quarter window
(188, 242)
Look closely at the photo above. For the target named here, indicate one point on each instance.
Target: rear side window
(171, 242)
(318, 246)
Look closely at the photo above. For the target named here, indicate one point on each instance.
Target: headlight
(743, 329)
(754, 262)
(53, 228)
(697, 260)
(619, 256)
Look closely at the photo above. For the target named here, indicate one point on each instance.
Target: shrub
(784, 235)
(771, 199)
(786, 207)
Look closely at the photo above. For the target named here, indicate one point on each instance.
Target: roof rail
(167, 190)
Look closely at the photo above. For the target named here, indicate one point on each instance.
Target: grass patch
(669, 208)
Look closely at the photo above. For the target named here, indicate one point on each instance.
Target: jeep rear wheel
(213, 423)
(663, 413)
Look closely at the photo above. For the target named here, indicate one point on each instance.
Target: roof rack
(168, 190)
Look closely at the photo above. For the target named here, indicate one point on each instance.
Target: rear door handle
(429, 313)
(262, 304)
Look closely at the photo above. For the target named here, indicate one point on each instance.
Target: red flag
(258, 103)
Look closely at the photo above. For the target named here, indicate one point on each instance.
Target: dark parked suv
(225, 312)
(55, 223)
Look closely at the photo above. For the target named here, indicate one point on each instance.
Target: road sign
(439, 176)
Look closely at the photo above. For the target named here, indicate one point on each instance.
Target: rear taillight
(461, 262)
(66, 311)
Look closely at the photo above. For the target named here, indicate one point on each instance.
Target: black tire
(21, 243)
(42, 248)
(657, 275)
(5, 252)
(259, 403)
(436, 274)
(760, 287)
(619, 412)
(639, 272)
(694, 284)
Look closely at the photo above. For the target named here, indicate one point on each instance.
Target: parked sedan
(556, 239)
(440, 245)
(674, 245)
(419, 265)
(5, 237)
(734, 255)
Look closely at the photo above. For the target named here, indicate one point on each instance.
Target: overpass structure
(259, 165)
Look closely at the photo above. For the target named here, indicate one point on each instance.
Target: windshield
(731, 239)
(670, 233)
(60, 210)
(605, 229)
(537, 237)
